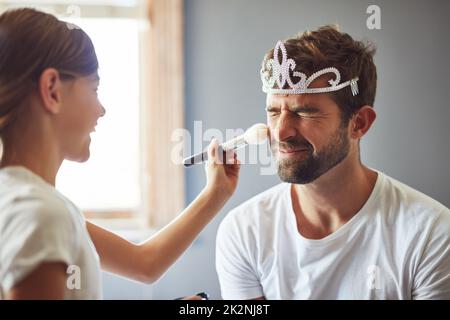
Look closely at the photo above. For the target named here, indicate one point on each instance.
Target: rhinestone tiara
(281, 74)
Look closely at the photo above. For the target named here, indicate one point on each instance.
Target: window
(110, 178)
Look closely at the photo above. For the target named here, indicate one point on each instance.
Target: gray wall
(225, 41)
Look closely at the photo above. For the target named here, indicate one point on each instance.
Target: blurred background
(208, 54)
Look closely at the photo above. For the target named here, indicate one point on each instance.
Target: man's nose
(285, 128)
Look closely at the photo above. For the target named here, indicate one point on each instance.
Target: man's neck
(323, 206)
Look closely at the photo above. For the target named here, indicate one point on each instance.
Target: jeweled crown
(281, 74)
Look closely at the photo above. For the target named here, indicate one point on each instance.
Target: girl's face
(78, 117)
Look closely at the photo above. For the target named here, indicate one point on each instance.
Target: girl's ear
(50, 87)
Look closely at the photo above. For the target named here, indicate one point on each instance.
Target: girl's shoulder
(25, 201)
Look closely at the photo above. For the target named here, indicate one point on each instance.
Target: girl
(48, 108)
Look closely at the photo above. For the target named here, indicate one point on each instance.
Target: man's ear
(362, 121)
(50, 87)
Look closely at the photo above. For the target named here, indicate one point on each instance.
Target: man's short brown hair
(328, 47)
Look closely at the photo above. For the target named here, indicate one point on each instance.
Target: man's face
(306, 135)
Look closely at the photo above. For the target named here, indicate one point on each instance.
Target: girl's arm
(46, 282)
(147, 261)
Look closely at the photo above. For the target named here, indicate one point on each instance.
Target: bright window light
(109, 181)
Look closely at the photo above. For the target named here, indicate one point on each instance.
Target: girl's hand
(222, 170)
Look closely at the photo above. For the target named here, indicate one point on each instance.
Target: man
(335, 229)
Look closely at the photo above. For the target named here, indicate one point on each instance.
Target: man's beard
(305, 170)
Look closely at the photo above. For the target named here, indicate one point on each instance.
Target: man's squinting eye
(304, 114)
(272, 112)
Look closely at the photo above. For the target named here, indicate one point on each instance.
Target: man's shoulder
(411, 196)
(412, 202)
(263, 203)
(258, 214)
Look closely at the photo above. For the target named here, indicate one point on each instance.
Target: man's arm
(432, 279)
(234, 261)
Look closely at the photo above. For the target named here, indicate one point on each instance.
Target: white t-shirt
(38, 224)
(395, 247)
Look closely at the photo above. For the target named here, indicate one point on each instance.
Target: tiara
(281, 76)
